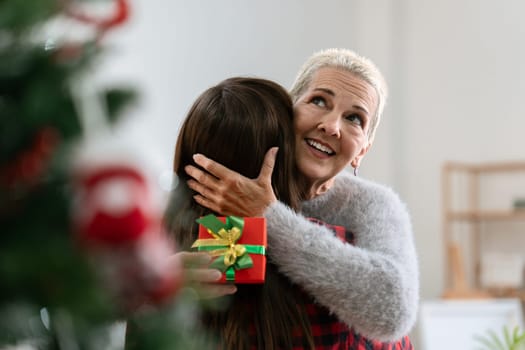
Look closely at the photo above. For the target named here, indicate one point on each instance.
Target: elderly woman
(368, 279)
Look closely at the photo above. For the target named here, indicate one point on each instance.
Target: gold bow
(226, 238)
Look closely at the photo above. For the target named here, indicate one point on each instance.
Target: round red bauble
(113, 205)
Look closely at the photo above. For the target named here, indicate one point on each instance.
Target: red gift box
(253, 235)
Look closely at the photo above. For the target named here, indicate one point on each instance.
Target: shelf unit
(461, 282)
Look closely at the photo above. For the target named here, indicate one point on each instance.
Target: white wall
(463, 98)
(174, 50)
(455, 70)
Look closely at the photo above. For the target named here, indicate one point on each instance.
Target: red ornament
(120, 15)
(113, 205)
(118, 225)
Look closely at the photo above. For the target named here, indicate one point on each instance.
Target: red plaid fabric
(331, 334)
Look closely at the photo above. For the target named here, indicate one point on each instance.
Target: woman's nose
(330, 124)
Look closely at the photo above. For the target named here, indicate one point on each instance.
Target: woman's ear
(357, 160)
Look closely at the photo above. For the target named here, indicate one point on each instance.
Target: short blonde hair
(349, 61)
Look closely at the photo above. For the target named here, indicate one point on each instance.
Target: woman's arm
(372, 286)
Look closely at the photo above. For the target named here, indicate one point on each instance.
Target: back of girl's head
(235, 123)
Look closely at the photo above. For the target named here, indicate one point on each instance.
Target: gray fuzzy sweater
(372, 286)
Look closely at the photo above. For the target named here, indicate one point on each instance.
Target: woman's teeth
(319, 147)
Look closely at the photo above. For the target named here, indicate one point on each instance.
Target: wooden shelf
(484, 293)
(462, 184)
(486, 215)
(485, 167)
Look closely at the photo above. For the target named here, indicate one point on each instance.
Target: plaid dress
(331, 334)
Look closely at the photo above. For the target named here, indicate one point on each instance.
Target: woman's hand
(229, 193)
(202, 279)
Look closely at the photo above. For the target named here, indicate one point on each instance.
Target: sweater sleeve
(372, 285)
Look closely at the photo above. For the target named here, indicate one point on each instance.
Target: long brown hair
(235, 123)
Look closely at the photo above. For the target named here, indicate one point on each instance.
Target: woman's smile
(319, 148)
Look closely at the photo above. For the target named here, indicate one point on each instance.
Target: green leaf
(506, 335)
(518, 339)
(20, 15)
(485, 341)
(116, 101)
(496, 340)
(491, 341)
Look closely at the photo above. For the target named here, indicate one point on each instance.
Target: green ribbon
(230, 255)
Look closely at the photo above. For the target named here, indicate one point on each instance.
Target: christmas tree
(66, 276)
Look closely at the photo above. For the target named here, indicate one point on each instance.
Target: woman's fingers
(201, 278)
(203, 275)
(265, 175)
(201, 177)
(212, 167)
(204, 282)
(193, 259)
(216, 290)
(208, 203)
(202, 189)
(196, 267)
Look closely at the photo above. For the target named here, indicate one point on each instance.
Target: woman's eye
(355, 119)
(319, 101)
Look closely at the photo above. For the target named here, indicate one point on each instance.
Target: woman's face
(331, 122)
